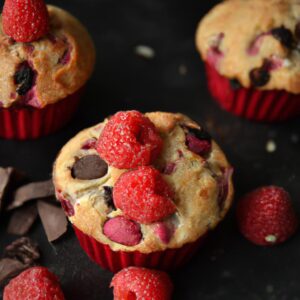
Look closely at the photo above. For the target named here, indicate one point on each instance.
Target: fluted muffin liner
(27, 122)
(114, 261)
(251, 103)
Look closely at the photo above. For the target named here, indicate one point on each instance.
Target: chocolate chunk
(32, 191)
(108, 197)
(235, 84)
(24, 78)
(53, 219)
(259, 76)
(284, 36)
(22, 219)
(5, 178)
(10, 268)
(89, 167)
(24, 250)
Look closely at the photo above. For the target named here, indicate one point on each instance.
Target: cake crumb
(144, 51)
(182, 69)
(271, 146)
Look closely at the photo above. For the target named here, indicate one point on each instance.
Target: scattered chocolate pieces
(53, 219)
(10, 268)
(20, 255)
(89, 167)
(24, 250)
(22, 219)
(31, 191)
(5, 177)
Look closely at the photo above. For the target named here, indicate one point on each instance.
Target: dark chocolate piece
(259, 76)
(24, 78)
(22, 219)
(284, 36)
(108, 197)
(89, 167)
(5, 178)
(10, 268)
(53, 219)
(235, 84)
(23, 250)
(32, 191)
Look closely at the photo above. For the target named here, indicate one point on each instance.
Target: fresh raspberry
(25, 20)
(123, 231)
(266, 216)
(34, 283)
(139, 283)
(143, 195)
(129, 140)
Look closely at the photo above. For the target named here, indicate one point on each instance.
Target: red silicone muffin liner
(252, 104)
(114, 261)
(31, 123)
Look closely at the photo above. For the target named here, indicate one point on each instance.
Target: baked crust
(194, 181)
(62, 61)
(242, 22)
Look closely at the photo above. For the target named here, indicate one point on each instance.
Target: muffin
(159, 187)
(251, 52)
(42, 80)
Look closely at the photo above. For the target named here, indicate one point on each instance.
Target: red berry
(266, 216)
(128, 140)
(34, 283)
(143, 195)
(25, 20)
(139, 283)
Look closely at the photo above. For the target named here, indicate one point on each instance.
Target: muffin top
(185, 192)
(256, 42)
(48, 70)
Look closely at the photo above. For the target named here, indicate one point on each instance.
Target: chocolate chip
(31, 191)
(89, 167)
(53, 219)
(259, 76)
(284, 36)
(22, 219)
(24, 78)
(297, 31)
(235, 84)
(24, 250)
(108, 197)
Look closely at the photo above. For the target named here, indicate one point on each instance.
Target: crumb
(182, 69)
(295, 138)
(144, 51)
(271, 146)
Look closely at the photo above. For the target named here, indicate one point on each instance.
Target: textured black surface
(228, 266)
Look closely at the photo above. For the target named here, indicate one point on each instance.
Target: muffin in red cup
(42, 77)
(251, 53)
(143, 189)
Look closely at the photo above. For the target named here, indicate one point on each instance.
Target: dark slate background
(228, 266)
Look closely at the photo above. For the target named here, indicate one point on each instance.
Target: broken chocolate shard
(5, 178)
(89, 167)
(32, 191)
(22, 219)
(10, 268)
(53, 219)
(24, 250)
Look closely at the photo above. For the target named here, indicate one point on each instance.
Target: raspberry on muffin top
(254, 42)
(178, 185)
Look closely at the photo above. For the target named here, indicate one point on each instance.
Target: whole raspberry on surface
(129, 140)
(139, 283)
(35, 283)
(143, 195)
(266, 216)
(25, 20)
